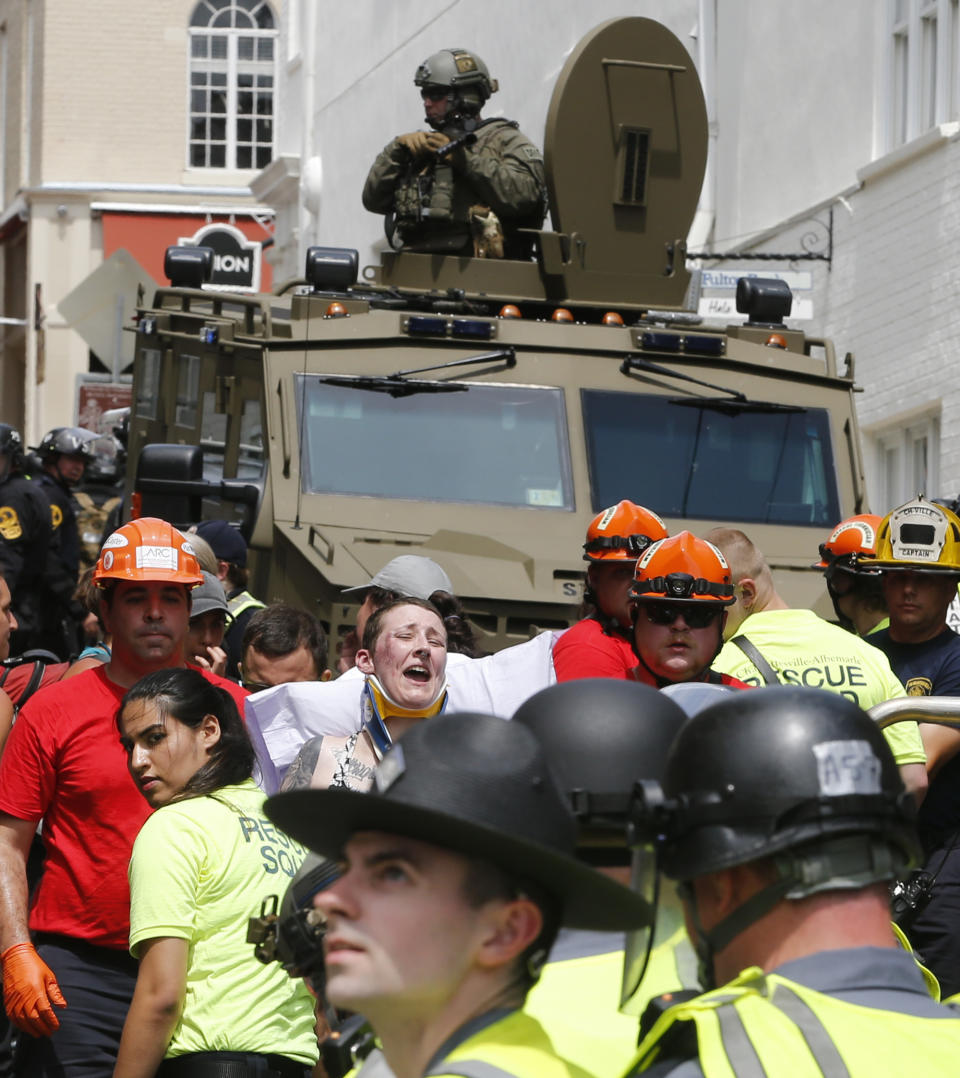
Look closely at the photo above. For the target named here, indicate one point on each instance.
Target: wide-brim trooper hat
(479, 786)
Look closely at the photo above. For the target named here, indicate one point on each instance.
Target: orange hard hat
(148, 549)
(622, 533)
(683, 568)
(852, 539)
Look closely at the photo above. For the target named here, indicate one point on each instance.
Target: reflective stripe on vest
(470, 1068)
(241, 602)
(822, 1048)
(769, 1027)
(737, 1044)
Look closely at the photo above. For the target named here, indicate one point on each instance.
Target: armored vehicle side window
(148, 384)
(250, 462)
(213, 437)
(188, 391)
(491, 444)
(752, 466)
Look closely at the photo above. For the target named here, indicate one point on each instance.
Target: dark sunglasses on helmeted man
(434, 93)
(695, 615)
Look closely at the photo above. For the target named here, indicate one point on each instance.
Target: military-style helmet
(148, 549)
(779, 769)
(852, 545)
(921, 536)
(11, 447)
(67, 441)
(622, 533)
(683, 568)
(460, 70)
(601, 737)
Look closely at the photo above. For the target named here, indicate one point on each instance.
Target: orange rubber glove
(30, 991)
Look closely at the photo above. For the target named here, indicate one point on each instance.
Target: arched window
(232, 50)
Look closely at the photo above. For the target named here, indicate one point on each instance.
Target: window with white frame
(922, 75)
(232, 81)
(908, 462)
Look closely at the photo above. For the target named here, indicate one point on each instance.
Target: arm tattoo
(301, 771)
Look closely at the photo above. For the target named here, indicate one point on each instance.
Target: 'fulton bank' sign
(236, 260)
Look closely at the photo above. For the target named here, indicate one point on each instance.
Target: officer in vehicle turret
(469, 184)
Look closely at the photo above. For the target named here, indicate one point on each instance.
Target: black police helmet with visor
(11, 451)
(800, 778)
(67, 442)
(602, 739)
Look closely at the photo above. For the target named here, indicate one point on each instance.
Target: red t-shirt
(585, 650)
(63, 763)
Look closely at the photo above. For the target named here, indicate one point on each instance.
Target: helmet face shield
(644, 879)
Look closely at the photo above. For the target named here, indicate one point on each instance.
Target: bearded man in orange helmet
(678, 602)
(600, 645)
(67, 978)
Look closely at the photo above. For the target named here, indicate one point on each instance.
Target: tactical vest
(766, 1026)
(426, 204)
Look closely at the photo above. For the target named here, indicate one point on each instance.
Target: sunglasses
(697, 617)
(434, 93)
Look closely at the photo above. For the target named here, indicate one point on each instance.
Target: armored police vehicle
(481, 412)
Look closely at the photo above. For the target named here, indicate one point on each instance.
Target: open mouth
(419, 674)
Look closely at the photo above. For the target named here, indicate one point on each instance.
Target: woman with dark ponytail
(202, 863)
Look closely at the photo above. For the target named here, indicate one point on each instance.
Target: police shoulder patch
(56, 516)
(10, 526)
(919, 686)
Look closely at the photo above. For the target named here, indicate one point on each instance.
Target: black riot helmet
(68, 442)
(801, 777)
(601, 736)
(603, 739)
(464, 75)
(11, 448)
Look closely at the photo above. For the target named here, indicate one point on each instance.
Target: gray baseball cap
(209, 596)
(409, 575)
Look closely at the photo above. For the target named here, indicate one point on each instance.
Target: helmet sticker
(107, 561)
(847, 767)
(115, 540)
(157, 557)
(608, 515)
(188, 549)
(867, 534)
(719, 554)
(648, 554)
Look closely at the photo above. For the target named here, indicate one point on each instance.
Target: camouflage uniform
(502, 169)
